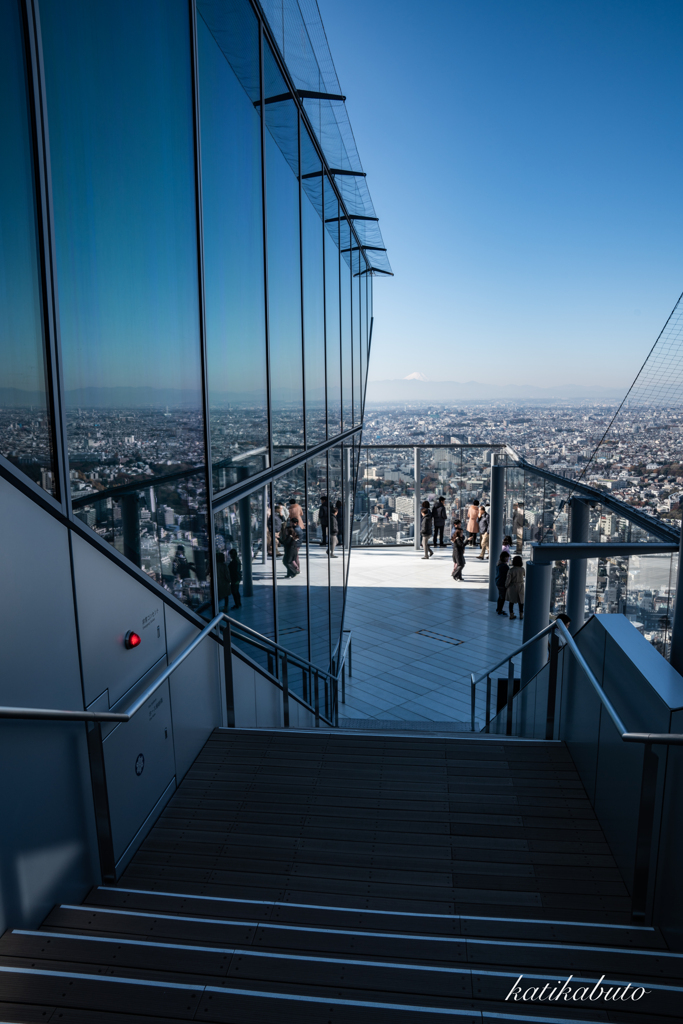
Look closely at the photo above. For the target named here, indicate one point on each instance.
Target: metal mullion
(322, 227)
(47, 255)
(301, 275)
(264, 224)
(308, 566)
(199, 213)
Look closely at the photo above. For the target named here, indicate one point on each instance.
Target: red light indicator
(132, 639)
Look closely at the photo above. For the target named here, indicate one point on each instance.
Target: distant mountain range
(412, 389)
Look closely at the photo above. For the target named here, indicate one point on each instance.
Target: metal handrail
(650, 767)
(513, 654)
(55, 714)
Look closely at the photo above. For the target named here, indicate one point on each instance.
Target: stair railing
(648, 785)
(280, 661)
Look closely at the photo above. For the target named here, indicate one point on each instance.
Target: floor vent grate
(440, 636)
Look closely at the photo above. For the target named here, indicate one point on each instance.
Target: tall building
(187, 249)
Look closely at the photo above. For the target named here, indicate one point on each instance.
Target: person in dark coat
(501, 580)
(334, 530)
(459, 542)
(323, 519)
(235, 573)
(274, 527)
(290, 557)
(222, 580)
(439, 516)
(426, 529)
(340, 522)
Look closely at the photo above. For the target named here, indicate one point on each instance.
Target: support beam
(418, 498)
(576, 587)
(677, 625)
(351, 216)
(541, 553)
(536, 617)
(334, 170)
(495, 522)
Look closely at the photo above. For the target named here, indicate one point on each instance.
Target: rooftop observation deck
(418, 635)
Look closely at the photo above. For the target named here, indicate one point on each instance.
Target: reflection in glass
(284, 277)
(356, 332)
(314, 297)
(122, 153)
(346, 337)
(233, 255)
(336, 499)
(245, 578)
(318, 567)
(289, 500)
(25, 433)
(163, 530)
(332, 311)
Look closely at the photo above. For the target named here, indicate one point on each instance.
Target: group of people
(509, 577)
(286, 527)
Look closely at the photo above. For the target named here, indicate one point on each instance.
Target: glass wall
(126, 245)
(345, 280)
(284, 267)
(233, 244)
(314, 292)
(317, 535)
(25, 430)
(332, 312)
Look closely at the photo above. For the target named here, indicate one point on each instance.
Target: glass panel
(245, 579)
(314, 294)
(284, 276)
(357, 333)
(332, 311)
(289, 496)
(335, 493)
(233, 259)
(163, 529)
(346, 333)
(25, 433)
(122, 150)
(318, 565)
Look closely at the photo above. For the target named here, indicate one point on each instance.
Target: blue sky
(525, 161)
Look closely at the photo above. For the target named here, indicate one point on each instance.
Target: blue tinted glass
(318, 565)
(289, 496)
(333, 357)
(346, 338)
(119, 95)
(284, 276)
(336, 495)
(233, 264)
(314, 307)
(356, 331)
(25, 435)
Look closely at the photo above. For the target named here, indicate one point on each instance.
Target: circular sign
(139, 764)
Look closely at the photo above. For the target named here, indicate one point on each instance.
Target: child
(514, 592)
(502, 570)
(507, 543)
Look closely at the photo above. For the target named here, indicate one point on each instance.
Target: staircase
(323, 877)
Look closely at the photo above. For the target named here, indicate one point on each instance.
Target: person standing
(501, 581)
(514, 593)
(518, 524)
(235, 573)
(458, 538)
(222, 580)
(439, 516)
(334, 530)
(290, 557)
(483, 531)
(323, 519)
(426, 529)
(296, 512)
(274, 528)
(340, 522)
(473, 522)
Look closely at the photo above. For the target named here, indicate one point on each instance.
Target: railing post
(335, 705)
(646, 815)
(552, 685)
(98, 776)
(511, 683)
(229, 682)
(270, 666)
(285, 692)
(488, 704)
(473, 698)
(304, 675)
(343, 675)
(350, 665)
(328, 695)
(316, 693)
